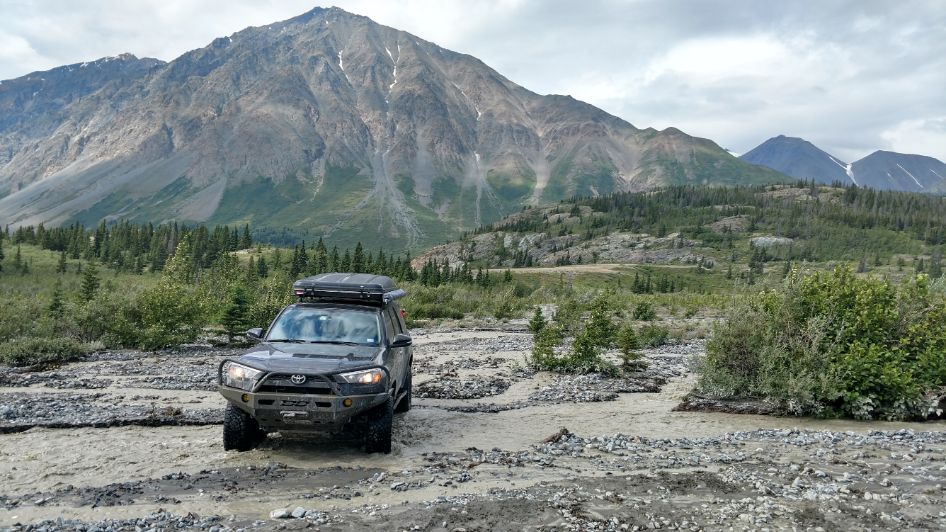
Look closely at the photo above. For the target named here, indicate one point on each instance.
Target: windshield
(326, 325)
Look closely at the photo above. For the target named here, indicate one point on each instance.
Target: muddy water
(46, 460)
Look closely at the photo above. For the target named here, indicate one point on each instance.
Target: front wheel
(378, 435)
(240, 431)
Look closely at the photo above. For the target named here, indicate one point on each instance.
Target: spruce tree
(599, 326)
(321, 260)
(357, 259)
(936, 268)
(234, 319)
(252, 272)
(262, 269)
(246, 241)
(56, 305)
(61, 267)
(334, 262)
(628, 344)
(90, 282)
(537, 323)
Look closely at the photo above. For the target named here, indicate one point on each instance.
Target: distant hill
(708, 226)
(883, 170)
(326, 124)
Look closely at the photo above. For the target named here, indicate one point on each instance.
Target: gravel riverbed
(131, 441)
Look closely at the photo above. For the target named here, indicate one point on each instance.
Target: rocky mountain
(33, 106)
(883, 170)
(323, 124)
(901, 171)
(800, 159)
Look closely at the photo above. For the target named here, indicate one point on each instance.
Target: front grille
(283, 384)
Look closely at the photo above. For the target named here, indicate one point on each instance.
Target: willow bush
(834, 344)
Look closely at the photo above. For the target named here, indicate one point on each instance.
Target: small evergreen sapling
(234, 319)
(61, 267)
(90, 282)
(537, 323)
(628, 344)
(56, 305)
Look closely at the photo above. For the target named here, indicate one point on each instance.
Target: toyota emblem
(297, 379)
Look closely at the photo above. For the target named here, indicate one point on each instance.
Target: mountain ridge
(882, 169)
(328, 124)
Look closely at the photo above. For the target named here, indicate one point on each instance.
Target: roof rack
(358, 287)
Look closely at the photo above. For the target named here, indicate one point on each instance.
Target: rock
(280, 513)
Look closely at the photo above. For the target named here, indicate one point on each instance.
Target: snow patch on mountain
(915, 180)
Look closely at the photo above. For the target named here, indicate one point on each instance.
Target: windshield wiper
(336, 342)
(288, 340)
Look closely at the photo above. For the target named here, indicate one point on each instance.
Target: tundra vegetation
(791, 328)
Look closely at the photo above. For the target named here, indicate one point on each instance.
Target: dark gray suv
(338, 359)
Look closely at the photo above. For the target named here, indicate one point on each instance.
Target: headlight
(239, 376)
(368, 376)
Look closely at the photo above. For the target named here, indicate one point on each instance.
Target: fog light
(245, 397)
(346, 402)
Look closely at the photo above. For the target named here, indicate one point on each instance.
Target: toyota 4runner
(338, 359)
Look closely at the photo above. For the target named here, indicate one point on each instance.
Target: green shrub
(274, 294)
(503, 310)
(431, 311)
(644, 311)
(568, 314)
(653, 335)
(105, 318)
(543, 347)
(587, 346)
(169, 314)
(33, 351)
(834, 345)
(18, 315)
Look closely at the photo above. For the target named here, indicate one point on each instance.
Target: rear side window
(389, 328)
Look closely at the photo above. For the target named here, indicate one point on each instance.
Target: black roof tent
(361, 287)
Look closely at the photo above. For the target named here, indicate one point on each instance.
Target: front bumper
(301, 412)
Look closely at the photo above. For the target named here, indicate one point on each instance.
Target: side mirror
(255, 334)
(401, 340)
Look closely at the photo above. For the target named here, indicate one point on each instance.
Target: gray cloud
(850, 75)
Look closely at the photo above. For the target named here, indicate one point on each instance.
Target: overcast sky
(850, 76)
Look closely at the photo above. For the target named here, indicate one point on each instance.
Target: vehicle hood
(310, 358)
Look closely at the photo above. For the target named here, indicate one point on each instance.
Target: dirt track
(470, 456)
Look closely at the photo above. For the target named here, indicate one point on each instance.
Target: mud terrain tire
(405, 404)
(240, 431)
(378, 428)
